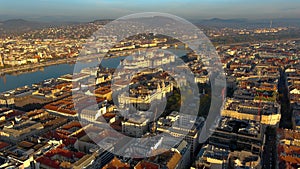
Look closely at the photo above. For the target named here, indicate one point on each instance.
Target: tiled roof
(115, 163)
(48, 162)
(3, 145)
(146, 164)
(174, 160)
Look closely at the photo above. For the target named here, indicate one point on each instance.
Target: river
(9, 82)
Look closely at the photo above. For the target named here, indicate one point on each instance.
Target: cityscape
(150, 90)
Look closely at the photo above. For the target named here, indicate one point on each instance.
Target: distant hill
(247, 23)
(21, 25)
(219, 20)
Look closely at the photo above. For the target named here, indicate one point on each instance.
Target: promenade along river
(10, 82)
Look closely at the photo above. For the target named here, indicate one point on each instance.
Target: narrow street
(270, 149)
(286, 116)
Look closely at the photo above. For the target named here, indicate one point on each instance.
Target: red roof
(146, 164)
(72, 124)
(3, 145)
(48, 162)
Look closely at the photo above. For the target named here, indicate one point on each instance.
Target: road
(270, 149)
(286, 116)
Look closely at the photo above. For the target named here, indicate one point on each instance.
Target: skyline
(178, 85)
(76, 10)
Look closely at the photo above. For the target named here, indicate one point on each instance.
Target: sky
(88, 10)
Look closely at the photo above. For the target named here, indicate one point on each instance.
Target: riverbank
(37, 66)
(89, 58)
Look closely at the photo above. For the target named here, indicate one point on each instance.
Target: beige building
(267, 113)
(20, 131)
(1, 61)
(158, 94)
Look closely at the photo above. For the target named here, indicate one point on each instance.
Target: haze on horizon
(87, 10)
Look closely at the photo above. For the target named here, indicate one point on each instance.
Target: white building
(137, 124)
